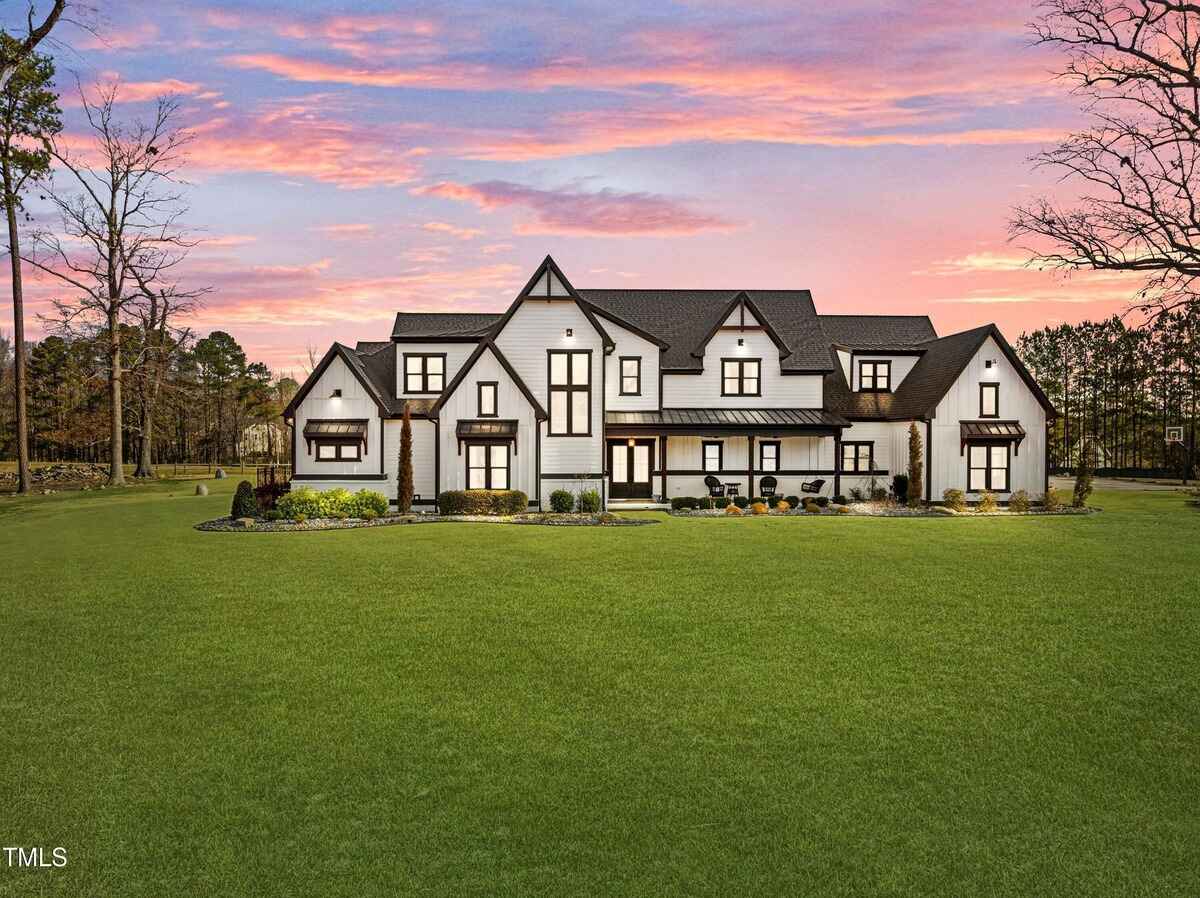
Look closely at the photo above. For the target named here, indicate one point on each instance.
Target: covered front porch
(654, 456)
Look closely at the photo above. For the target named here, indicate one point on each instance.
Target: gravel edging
(863, 510)
(232, 525)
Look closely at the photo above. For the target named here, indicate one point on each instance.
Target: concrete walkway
(1112, 483)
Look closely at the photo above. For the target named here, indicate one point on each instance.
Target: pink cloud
(571, 211)
(442, 227)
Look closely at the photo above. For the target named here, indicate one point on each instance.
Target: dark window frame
(424, 375)
(495, 385)
(720, 444)
(763, 444)
(487, 446)
(569, 388)
(876, 364)
(856, 469)
(983, 388)
(989, 445)
(741, 376)
(621, 375)
(318, 442)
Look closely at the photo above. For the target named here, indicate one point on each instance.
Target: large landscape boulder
(220, 474)
(201, 489)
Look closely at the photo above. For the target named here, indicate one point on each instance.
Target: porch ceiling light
(629, 442)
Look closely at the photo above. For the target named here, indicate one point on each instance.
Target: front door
(629, 468)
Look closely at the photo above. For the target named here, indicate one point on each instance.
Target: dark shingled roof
(878, 331)
(378, 362)
(451, 325)
(684, 318)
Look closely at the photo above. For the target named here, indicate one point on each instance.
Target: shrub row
(564, 501)
(304, 502)
(685, 503)
(483, 502)
(1018, 501)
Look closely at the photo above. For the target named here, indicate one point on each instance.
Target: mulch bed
(233, 525)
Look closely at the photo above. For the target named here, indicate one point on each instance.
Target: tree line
(213, 404)
(1118, 388)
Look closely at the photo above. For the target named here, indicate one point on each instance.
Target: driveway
(1110, 483)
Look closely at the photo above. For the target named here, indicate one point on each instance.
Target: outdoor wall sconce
(570, 332)
(336, 394)
(741, 341)
(988, 363)
(630, 443)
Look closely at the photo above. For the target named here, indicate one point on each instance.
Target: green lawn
(706, 707)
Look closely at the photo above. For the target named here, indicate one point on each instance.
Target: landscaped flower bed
(261, 525)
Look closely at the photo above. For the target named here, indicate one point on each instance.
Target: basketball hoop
(1175, 435)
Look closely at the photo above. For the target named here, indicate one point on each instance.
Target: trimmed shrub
(879, 494)
(955, 500)
(369, 515)
(793, 501)
(822, 501)
(273, 514)
(299, 517)
(268, 494)
(487, 502)
(720, 501)
(812, 508)
(732, 509)
(561, 501)
(1052, 501)
(759, 508)
(839, 500)
(589, 502)
(856, 494)
(244, 503)
(756, 500)
(368, 502)
(1083, 477)
(683, 503)
(783, 506)
(987, 501)
(705, 502)
(1019, 501)
(741, 502)
(900, 487)
(842, 509)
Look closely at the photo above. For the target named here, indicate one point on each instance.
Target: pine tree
(404, 495)
(916, 466)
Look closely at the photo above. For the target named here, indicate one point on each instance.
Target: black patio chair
(812, 486)
(715, 487)
(767, 486)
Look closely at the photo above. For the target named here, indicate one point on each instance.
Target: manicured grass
(706, 707)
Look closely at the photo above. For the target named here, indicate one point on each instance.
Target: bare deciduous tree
(122, 235)
(1135, 65)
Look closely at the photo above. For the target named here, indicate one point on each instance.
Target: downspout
(437, 462)
(537, 459)
(928, 460)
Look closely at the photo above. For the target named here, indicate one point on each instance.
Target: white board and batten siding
(536, 327)
(630, 344)
(354, 403)
(777, 390)
(890, 442)
(685, 453)
(456, 354)
(900, 366)
(961, 403)
(511, 404)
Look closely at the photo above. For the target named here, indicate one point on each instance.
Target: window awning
(749, 421)
(489, 431)
(990, 432)
(339, 428)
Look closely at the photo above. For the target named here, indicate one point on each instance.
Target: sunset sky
(355, 160)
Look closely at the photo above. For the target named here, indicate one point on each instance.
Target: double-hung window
(741, 377)
(487, 399)
(424, 372)
(857, 457)
(989, 400)
(712, 458)
(487, 466)
(768, 456)
(875, 377)
(987, 467)
(570, 393)
(631, 375)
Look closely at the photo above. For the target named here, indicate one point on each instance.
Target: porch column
(662, 465)
(837, 462)
(750, 465)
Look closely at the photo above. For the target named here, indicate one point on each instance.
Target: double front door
(629, 468)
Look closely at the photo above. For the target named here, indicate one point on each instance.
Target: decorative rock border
(247, 525)
(868, 510)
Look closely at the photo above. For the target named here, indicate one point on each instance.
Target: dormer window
(875, 377)
(424, 372)
(989, 400)
(741, 377)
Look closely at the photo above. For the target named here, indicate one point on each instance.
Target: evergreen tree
(29, 115)
(1083, 476)
(916, 466)
(404, 495)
